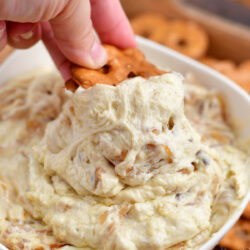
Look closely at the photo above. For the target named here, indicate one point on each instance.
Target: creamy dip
(115, 167)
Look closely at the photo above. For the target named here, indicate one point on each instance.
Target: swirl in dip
(115, 167)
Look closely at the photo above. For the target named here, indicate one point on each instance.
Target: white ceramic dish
(238, 101)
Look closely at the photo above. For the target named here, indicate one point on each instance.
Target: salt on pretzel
(121, 65)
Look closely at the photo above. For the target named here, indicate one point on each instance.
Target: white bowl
(238, 101)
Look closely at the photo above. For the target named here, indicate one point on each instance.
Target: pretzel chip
(246, 213)
(238, 237)
(184, 36)
(240, 74)
(150, 26)
(121, 65)
(222, 66)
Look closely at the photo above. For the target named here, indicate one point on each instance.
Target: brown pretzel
(150, 26)
(121, 65)
(238, 237)
(222, 66)
(246, 213)
(184, 36)
(240, 74)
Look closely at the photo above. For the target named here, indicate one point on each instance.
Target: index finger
(59, 59)
(70, 22)
(111, 23)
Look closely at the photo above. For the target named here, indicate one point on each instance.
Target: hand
(65, 26)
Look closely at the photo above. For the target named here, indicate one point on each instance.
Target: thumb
(71, 24)
(76, 37)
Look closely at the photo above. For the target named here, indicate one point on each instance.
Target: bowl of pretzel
(191, 39)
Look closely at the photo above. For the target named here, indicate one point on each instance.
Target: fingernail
(27, 35)
(98, 55)
(64, 69)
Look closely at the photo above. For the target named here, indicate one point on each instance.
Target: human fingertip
(2, 25)
(17, 31)
(98, 55)
(27, 35)
(130, 43)
(3, 35)
(27, 32)
(64, 69)
(23, 35)
(129, 39)
(93, 58)
(2, 28)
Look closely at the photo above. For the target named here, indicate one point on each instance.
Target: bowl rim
(142, 42)
(150, 45)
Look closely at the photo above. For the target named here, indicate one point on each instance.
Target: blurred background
(214, 32)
